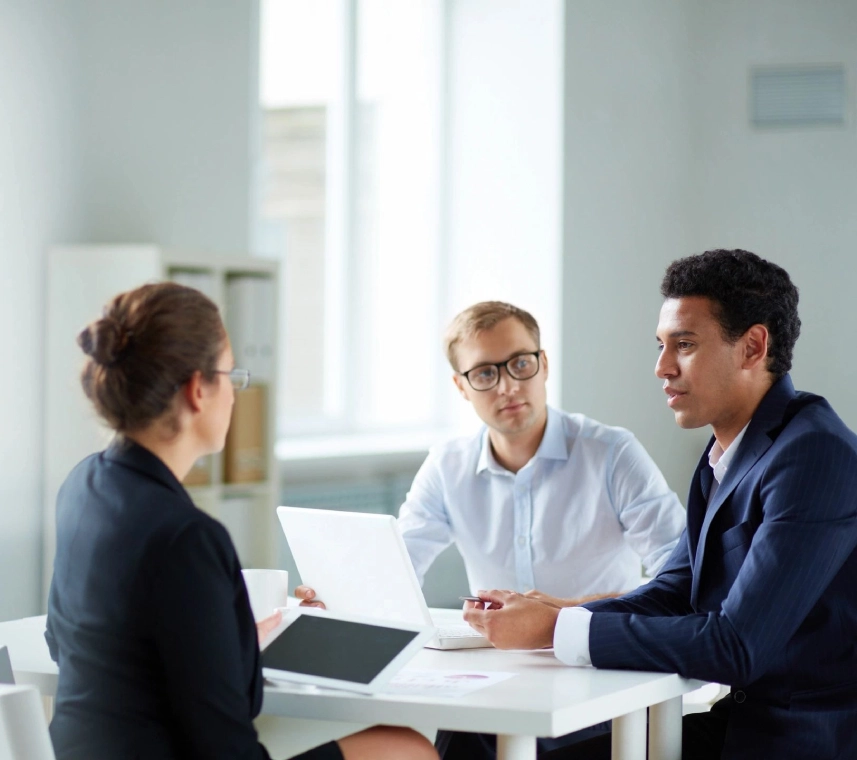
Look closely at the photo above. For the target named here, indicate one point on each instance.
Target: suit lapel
(756, 441)
(700, 487)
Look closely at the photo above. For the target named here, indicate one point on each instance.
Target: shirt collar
(553, 445)
(720, 459)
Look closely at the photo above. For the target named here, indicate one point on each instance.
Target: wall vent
(797, 96)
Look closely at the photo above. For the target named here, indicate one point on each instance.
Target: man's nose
(665, 365)
(506, 383)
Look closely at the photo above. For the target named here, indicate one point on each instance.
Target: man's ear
(193, 391)
(544, 363)
(459, 383)
(755, 347)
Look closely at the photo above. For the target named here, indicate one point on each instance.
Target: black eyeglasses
(520, 367)
(240, 378)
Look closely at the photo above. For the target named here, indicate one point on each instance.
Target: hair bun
(106, 341)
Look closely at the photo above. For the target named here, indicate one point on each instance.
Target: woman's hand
(307, 597)
(268, 624)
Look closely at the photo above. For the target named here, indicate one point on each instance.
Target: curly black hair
(745, 290)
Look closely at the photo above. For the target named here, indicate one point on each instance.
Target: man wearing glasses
(539, 498)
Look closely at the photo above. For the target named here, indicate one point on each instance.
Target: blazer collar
(767, 418)
(760, 434)
(128, 453)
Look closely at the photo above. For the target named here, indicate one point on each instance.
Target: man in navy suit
(761, 591)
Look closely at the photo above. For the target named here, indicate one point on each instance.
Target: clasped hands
(508, 620)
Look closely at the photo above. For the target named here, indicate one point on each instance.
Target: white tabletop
(544, 698)
(28, 650)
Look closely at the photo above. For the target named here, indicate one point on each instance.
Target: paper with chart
(442, 683)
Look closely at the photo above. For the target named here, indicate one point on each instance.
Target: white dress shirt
(579, 518)
(571, 635)
(719, 460)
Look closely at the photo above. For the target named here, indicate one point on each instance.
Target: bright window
(349, 200)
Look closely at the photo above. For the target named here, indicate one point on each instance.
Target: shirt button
(739, 697)
(521, 540)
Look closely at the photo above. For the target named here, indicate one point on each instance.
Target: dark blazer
(761, 592)
(149, 620)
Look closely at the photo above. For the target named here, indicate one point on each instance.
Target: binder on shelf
(245, 453)
(264, 313)
(250, 303)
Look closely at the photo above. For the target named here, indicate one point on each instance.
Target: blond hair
(483, 316)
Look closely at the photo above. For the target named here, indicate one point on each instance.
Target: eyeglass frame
(499, 365)
(235, 374)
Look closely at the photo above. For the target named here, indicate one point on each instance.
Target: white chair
(6, 674)
(23, 730)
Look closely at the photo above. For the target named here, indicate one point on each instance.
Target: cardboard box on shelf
(200, 473)
(245, 454)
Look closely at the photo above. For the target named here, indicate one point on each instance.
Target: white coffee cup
(268, 589)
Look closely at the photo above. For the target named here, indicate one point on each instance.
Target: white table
(545, 698)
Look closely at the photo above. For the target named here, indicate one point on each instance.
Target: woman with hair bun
(148, 616)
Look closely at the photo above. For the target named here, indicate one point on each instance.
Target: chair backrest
(23, 730)
(6, 674)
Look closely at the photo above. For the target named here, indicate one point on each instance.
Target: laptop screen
(339, 649)
(357, 563)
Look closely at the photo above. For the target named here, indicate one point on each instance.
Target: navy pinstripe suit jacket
(761, 591)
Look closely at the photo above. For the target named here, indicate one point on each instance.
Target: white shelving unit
(81, 280)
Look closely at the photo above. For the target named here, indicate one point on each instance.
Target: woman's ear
(194, 391)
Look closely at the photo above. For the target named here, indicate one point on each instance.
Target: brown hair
(484, 316)
(147, 344)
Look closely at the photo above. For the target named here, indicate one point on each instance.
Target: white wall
(38, 172)
(661, 162)
(788, 195)
(128, 120)
(168, 90)
(627, 212)
(503, 164)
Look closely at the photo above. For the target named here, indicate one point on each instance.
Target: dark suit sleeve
(208, 651)
(808, 496)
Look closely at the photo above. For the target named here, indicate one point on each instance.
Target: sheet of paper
(442, 683)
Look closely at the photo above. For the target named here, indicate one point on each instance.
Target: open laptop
(358, 564)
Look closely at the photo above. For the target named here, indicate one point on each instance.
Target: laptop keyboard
(457, 632)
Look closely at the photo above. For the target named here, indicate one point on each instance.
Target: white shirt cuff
(571, 636)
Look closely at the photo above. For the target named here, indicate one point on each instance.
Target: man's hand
(268, 624)
(307, 597)
(511, 621)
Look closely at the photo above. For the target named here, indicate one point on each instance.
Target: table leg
(629, 736)
(516, 747)
(665, 730)
(48, 706)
